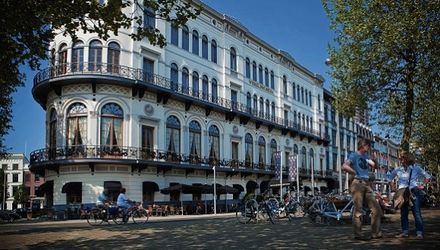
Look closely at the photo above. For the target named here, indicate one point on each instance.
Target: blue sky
(299, 27)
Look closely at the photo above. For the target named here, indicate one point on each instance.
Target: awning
(239, 187)
(112, 185)
(71, 186)
(150, 186)
(251, 185)
(183, 188)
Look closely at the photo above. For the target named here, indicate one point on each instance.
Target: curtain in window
(111, 127)
(76, 127)
(95, 55)
(77, 56)
(205, 87)
(249, 149)
(173, 137)
(261, 151)
(204, 47)
(273, 151)
(214, 138)
(185, 81)
(62, 59)
(195, 84)
(303, 158)
(174, 77)
(195, 141)
(113, 54)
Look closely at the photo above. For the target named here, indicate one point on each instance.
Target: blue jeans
(417, 213)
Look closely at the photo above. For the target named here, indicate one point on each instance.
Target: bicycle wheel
(243, 214)
(94, 217)
(140, 216)
(294, 210)
(120, 218)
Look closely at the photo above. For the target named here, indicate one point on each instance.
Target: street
(212, 232)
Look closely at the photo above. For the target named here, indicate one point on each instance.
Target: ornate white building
(125, 113)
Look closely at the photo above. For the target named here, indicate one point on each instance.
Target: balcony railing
(165, 84)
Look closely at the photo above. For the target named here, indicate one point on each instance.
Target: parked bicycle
(252, 210)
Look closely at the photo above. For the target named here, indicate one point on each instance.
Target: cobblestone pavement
(211, 232)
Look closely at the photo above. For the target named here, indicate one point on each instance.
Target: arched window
(174, 35)
(273, 151)
(272, 80)
(205, 87)
(76, 125)
(273, 111)
(185, 81)
(248, 68)
(254, 71)
(249, 102)
(77, 56)
(261, 113)
(213, 51)
(62, 59)
(195, 42)
(195, 84)
(95, 55)
(260, 74)
(285, 85)
(214, 148)
(255, 111)
(303, 158)
(53, 133)
(261, 151)
(267, 115)
(113, 54)
(205, 47)
(195, 141)
(214, 90)
(266, 77)
(295, 149)
(312, 158)
(233, 60)
(249, 150)
(185, 38)
(112, 117)
(172, 137)
(174, 76)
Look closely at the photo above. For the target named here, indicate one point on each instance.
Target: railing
(107, 152)
(144, 78)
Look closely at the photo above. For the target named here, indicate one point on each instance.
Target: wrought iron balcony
(55, 76)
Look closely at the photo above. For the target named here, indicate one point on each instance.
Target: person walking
(407, 175)
(357, 164)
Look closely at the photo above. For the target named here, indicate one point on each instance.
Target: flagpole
(281, 176)
(215, 192)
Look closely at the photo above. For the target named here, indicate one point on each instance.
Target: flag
(277, 156)
(292, 168)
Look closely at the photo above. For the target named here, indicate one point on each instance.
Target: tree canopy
(385, 58)
(28, 26)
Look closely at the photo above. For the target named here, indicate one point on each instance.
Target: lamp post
(215, 191)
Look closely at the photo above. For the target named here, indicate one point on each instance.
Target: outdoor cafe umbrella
(183, 189)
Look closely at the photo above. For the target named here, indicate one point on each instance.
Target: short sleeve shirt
(360, 165)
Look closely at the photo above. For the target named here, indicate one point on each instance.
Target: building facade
(217, 99)
(13, 166)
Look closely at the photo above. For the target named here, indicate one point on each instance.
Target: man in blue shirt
(358, 164)
(123, 202)
(407, 175)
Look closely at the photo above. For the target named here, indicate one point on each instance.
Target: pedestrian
(407, 175)
(358, 164)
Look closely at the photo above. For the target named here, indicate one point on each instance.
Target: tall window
(214, 51)
(173, 137)
(234, 148)
(267, 114)
(302, 94)
(195, 42)
(195, 140)
(303, 157)
(205, 86)
(214, 90)
(205, 47)
(148, 70)
(272, 80)
(112, 117)
(174, 76)
(312, 158)
(307, 97)
(273, 151)
(297, 93)
(147, 142)
(285, 85)
(255, 106)
(249, 102)
(95, 55)
(234, 99)
(254, 71)
(273, 111)
(62, 58)
(76, 126)
(195, 84)
(266, 77)
(114, 51)
(52, 133)
(77, 56)
(249, 150)
(214, 140)
(149, 19)
(293, 91)
(260, 73)
(261, 151)
(310, 98)
(185, 81)
(185, 38)
(261, 107)
(174, 35)
(319, 102)
(233, 60)
(248, 68)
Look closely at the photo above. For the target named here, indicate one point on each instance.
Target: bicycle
(257, 211)
(138, 214)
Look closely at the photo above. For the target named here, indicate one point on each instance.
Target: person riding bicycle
(104, 201)
(123, 202)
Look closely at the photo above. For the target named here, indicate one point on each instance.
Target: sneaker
(402, 235)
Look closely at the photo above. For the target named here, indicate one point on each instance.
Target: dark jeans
(417, 213)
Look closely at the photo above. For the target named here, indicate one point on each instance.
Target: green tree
(385, 54)
(28, 26)
(21, 196)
